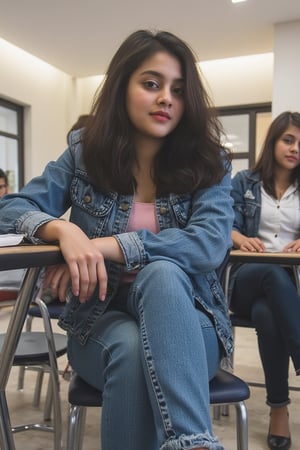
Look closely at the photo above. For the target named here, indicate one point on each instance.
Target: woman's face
(287, 149)
(3, 187)
(155, 97)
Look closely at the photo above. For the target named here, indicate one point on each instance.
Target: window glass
(11, 143)
(9, 161)
(236, 129)
(245, 128)
(8, 120)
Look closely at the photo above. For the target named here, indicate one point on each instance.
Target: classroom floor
(247, 366)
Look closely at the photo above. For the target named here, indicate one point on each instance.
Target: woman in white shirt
(267, 218)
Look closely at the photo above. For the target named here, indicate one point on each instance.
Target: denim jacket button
(163, 211)
(87, 199)
(124, 206)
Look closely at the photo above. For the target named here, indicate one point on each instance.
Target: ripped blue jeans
(152, 355)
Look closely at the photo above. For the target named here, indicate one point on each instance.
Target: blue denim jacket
(246, 194)
(194, 233)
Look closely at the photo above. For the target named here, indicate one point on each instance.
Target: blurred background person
(3, 183)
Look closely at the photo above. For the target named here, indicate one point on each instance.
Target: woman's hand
(252, 245)
(293, 246)
(58, 279)
(85, 262)
(247, 244)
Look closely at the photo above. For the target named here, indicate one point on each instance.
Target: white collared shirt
(280, 219)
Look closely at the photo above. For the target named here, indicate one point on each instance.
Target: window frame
(252, 110)
(18, 137)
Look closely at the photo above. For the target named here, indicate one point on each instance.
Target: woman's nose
(296, 147)
(165, 98)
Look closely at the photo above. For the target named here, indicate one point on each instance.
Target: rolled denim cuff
(29, 223)
(133, 250)
(278, 405)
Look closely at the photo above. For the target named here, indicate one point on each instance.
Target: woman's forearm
(54, 230)
(110, 249)
(57, 230)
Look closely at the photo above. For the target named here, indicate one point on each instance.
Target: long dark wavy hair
(191, 156)
(266, 161)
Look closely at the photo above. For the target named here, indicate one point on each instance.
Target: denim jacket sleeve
(247, 202)
(198, 247)
(44, 198)
(238, 197)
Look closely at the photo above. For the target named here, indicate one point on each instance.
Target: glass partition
(11, 143)
(245, 128)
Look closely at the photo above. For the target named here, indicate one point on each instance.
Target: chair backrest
(10, 283)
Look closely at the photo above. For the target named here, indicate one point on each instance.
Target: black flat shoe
(278, 442)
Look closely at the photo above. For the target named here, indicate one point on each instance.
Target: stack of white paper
(7, 240)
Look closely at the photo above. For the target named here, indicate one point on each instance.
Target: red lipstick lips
(161, 114)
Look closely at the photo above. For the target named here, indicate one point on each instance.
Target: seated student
(3, 183)
(151, 215)
(267, 218)
(9, 279)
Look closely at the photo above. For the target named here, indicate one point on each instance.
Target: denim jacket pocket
(90, 200)
(91, 209)
(181, 205)
(250, 209)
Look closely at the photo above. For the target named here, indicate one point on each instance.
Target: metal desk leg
(12, 337)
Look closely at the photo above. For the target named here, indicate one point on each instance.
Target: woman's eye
(287, 141)
(178, 90)
(150, 84)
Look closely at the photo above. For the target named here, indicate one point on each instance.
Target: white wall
(286, 86)
(87, 88)
(54, 100)
(45, 92)
(239, 81)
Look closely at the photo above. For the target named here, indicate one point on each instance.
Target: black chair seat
(224, 388)
(83, 394)
(33, 348)
(227, 388)
(54, 309)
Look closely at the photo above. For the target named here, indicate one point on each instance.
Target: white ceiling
(80, 36)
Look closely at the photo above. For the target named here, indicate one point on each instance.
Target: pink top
(142, 217)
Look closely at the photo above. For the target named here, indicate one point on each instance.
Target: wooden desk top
(26, 255)
(278, 258)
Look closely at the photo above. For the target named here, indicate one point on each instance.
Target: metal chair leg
(241, 426)
(225, 410)
(38, 388)
(21, 378)
(54, 376)
(48, 402)
(77, 416)
(216, 412)
(22, 368)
